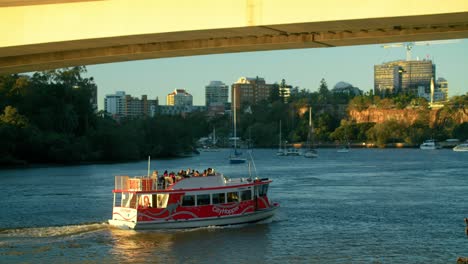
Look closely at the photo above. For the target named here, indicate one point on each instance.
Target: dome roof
(342, 85)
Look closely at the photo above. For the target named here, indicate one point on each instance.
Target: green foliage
(12, 117)
(48, 117)
(388, 132)
(461, 131)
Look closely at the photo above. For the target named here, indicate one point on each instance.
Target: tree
(274, 93)
(324, 93)
(387, 132)
(12, 117)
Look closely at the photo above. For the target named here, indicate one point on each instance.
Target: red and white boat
(142, 203)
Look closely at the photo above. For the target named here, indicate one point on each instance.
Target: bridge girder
(57, 54)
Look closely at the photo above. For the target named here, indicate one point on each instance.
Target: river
(365, 206)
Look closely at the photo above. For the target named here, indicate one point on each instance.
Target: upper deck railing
(142, 183)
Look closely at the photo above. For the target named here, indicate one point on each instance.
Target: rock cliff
(375, 115)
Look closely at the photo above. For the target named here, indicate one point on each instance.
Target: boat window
(203, 199)
(246, 195)
(263, 190)
(129, 200)
(162, 200)
(232, 197)
(218, 198)
(188, 200)
(118, 199)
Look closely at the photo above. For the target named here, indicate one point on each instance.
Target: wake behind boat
(189, 202)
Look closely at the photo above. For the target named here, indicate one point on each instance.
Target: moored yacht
(429, 145)
(463, 147)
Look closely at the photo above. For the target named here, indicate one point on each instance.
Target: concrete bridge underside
(39, 35)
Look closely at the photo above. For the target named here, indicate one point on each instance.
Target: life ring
(146, 201)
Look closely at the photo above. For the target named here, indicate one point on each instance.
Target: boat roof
(214, 181)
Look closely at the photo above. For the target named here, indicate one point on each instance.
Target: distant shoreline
(25, 165)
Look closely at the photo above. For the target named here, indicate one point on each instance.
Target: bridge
(48, 34)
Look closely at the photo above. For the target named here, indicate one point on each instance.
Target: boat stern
(124, 218)
(122, 224)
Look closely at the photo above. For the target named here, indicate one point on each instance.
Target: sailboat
(236, 156)
(311, 152)
(343, 148)
(213, 147)
(280, 151)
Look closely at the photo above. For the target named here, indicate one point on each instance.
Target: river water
(365, 206)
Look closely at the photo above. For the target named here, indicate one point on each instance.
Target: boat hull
(253, 217)
(311, 154)
(237, 160)
(460, 149)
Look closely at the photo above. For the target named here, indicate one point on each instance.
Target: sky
(299, 67)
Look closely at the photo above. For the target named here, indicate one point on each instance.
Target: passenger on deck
(172, 176)
(161, 182)
(154, 177)
(210, 172)
(167, 179)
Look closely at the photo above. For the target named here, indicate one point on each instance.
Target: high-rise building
(403, 76)
(124, 105)
(179, 97)
(216, 93)
(442, 86)
(114, 104)
(135, 107)
(250, 91)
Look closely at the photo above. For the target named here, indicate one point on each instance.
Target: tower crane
(409, 45)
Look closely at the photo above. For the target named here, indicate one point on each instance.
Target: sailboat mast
(279, 145)
(214, 136)
(235, 132)
(310, 117)
(310, 127)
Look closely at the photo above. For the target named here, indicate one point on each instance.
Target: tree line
(48, 117)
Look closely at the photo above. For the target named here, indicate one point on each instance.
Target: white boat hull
(461, 148)
(311, 154)
(198, 222)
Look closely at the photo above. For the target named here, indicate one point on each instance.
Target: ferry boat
(216, 200)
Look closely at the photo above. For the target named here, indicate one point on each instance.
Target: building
(442, 87)
(179, 97)
(124, 105)
(403, 76)
(114, 104)
(216, 93)
(346, 88)
(250, 91)
(284, 91)
(179, 109)
(135, 107)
